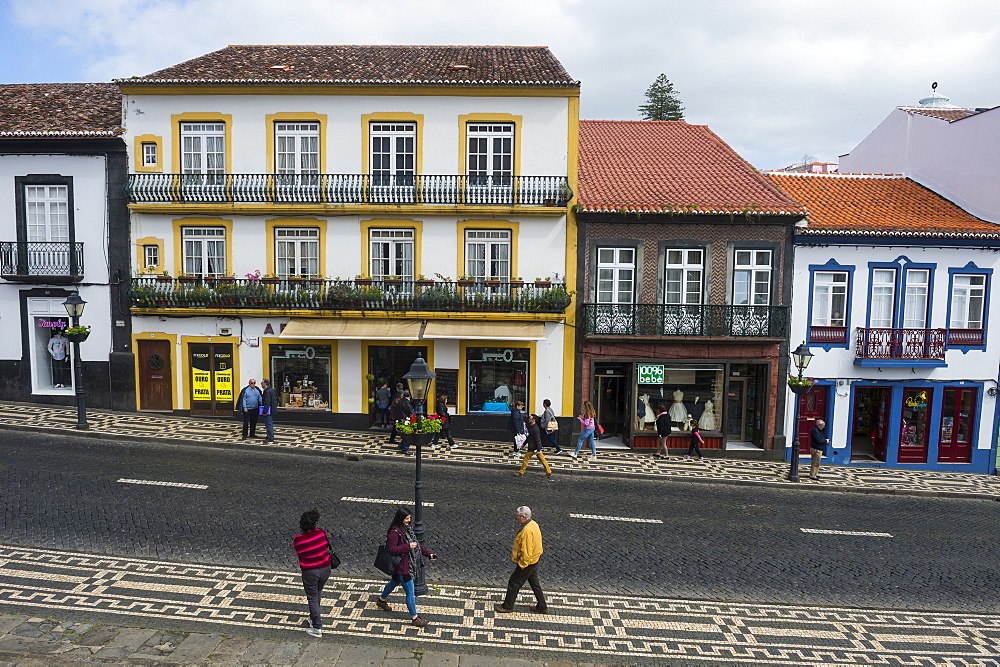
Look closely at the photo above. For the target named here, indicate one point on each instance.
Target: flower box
(77, 337)
(421, 439)
(543, 283)
(187, 279)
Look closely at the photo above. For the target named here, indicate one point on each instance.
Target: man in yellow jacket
(525, 554)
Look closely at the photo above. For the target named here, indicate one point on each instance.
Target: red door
(958, 412)
(914, 427)
(881, 426)
(812, 406)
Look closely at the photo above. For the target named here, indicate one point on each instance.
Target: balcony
(41, 261)
(962, 337)
(900, 347)
(819, 335)
(657, 320)
(346, 189)
(362, 294)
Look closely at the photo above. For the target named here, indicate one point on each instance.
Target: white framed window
(296, 148)
(490, 153)
(487, 254)
(394, 150)
(204, 250)
(47, 212)
(915, 298)
(829, 300)
(968, 298)
(752, 278)
(151, 256)
(883, 299)
(392, 253)
(296, 252)
(150, 158)
(683, 278)
(203, 148)
(615, 275)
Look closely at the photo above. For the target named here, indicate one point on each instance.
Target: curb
(351, 456)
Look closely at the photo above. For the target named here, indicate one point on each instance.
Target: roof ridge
(846, 174)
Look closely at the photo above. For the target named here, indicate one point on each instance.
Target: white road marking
(844, 532)
(382, 501)
(613, 518)
(155, 483)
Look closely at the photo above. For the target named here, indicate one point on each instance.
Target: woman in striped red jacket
(312, 547)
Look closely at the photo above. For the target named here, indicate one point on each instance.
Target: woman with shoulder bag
(515, 424)
(400, 541)
(549, 426)
(313, 549)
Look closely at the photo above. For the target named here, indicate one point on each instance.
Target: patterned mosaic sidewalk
(591, 627)
(369, 443)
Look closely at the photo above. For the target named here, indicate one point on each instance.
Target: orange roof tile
(883, 205)
(940, 113)
(60, 110)
(660, 166)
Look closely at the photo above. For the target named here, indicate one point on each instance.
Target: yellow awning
(352, 328)
(484, 330)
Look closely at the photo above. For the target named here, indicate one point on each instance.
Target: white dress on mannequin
(678, 413)
(708, 421)
(650, 416)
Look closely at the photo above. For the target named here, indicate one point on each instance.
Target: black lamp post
(801, 356)
(419, 381)
(74, 308)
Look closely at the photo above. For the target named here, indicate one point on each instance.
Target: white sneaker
(314, 632)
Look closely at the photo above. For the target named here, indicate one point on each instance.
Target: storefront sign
(201, 385)
(650, 373)
(506, 355)
(224, 385)
(51, 324)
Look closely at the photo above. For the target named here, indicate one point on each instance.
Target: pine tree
(661, 101)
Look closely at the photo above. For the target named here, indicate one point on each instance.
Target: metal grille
(922, 344)
(41, 258)
(646, 319)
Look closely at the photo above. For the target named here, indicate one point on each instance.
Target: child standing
(696, 440)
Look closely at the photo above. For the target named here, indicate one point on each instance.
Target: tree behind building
(661, 101)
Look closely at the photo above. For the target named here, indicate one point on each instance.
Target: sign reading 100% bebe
(650, 373)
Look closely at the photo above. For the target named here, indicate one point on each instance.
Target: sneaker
(573, 456)
(314, 632)
(687, 458)
(701, 458)
(382, 604)
(419, 622)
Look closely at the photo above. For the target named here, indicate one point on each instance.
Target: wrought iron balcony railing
(348, 189)
(901, 344)
(966, 337)
(360, 294)
(821, 335)
(649, 319)
(36, 261)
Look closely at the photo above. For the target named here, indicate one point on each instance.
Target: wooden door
(155, 379)
(812, 406)
(958, 412)
(212, 381)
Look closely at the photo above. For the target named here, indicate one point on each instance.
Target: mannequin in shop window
(708, 422)
(58, 348)
(678, 413)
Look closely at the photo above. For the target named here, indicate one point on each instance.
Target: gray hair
(524, 511)
(821, 421)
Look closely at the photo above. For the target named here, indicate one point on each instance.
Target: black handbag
(385, 561)
(334, 558)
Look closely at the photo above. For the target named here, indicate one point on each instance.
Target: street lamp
(74, 308)
(801, 357)
(419, 381)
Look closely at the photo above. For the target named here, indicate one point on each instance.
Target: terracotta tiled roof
(368, 65)
(881, 205)
(658, 166)
(939, 113)
(60, 110)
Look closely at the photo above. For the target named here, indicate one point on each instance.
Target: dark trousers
(553, 438)
(313, 582)
(693, 449)
(446, 432)
(517, 578)
(382, 415)
(250, 422)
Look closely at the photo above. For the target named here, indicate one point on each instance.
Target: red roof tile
(655, 166)
(940, 113)
(60, 109)
(368, 65)
(882, 205)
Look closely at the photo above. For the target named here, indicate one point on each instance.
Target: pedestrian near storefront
(383, 399)
(550, 434)
(312, 547)
(533, 447)
(663, 431)
(696, 441)
(249, 403)
(268, 407)
(526, 553)
(401, 409)
(401, 542)
(819, 446)
(441, 408)
(588, 422)
(515, 424)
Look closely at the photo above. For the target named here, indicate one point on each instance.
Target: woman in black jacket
(516, 423)
(441, 408)
(533, 447)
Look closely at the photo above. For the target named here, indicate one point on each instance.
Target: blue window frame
(899, 294)
(830, 299)
(968, 307)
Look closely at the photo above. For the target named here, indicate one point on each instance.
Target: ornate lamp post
(418, 379)
(801, 357)
(74, 308)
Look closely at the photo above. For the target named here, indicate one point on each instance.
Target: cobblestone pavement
(225, 432)
(256, 616)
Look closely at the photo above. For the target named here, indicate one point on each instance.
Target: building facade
(683, 257)
(62, 161)
(322, 215)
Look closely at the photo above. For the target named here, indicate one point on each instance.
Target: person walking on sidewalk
(401, 409)
(818, 447)
(533, 447)
(526, 553)
(268, 406)
(663, 430)
(312, 547)
(515, 424)
(588, 419)
(400, 541)
(549, 416)
(441, 408)
(383, 399)
(696, 440)
(249, 403)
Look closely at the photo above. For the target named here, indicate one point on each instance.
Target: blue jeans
(269, 425)
(411, 599)
(587, 433)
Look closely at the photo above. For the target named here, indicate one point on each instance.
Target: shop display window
(915, 427)
(53, 354)
(497, 377)
(301, 376)
(688, 392)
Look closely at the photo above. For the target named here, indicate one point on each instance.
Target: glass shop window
(687, 392)
(497, 376)
(301, 376)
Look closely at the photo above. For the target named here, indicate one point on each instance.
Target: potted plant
(186, 278)
(270, 279)
(543, 282)
(800, 385)
(164, 277)
(416, 431)
(466, 280)
(516, 282)
(77, 334)
(362, 280)
(424, 282)
(229, 278)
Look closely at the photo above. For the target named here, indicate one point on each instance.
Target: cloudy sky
(777, 79)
